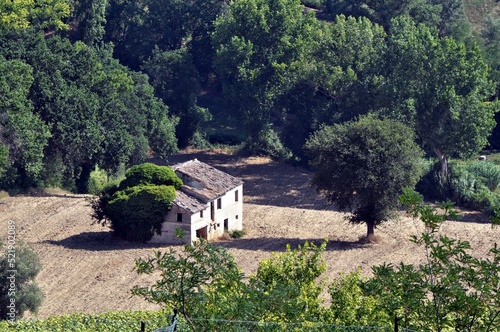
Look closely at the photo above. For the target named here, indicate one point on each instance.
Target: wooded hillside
(109, 83)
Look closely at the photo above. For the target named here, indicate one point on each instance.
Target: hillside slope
(86, 269)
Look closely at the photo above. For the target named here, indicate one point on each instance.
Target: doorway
(202, 233)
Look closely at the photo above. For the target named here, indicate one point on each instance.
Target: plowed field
(86, 269)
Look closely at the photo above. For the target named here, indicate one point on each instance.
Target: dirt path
(85, 269)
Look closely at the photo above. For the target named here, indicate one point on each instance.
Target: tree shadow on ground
(473, 217)
(266, 182)
(98, 241)
(279, 244)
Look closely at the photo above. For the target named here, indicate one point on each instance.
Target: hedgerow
(107, 322)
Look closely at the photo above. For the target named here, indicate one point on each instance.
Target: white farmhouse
(209, 203)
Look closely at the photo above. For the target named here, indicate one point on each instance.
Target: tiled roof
(204, 181)
(188, 202)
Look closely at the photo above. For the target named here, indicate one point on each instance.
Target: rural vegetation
(358, 90)
(452, 290)
(135, 207)
(19, 266)
(364, 166)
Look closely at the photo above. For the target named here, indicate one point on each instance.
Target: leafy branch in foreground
(452, 289)
(186, 276)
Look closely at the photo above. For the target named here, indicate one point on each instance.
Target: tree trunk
(444, 163)
(370, 226)
(82, 183)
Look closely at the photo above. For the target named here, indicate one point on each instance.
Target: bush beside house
(136, 207)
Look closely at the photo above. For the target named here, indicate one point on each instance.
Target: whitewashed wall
(231, 210)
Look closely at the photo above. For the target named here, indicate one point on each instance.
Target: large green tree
(137, 27)
(364, 165)
(260, 48)
(176, 82)
(440, 88)
(341, 80)
(44, 14)
(23, 134)
(445, 16)
(90, 16)
(98, 111)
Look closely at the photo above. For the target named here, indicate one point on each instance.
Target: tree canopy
(441, 89)
(260, 49)
(364, 165)
(113, 82)
(95, 111)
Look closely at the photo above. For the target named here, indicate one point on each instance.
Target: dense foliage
(74, 107)
(451, 290)
(105, 84)
(471, 184)
(135, 209)
(19, 266)
(270, 71)
(106, 322)
(364, 165)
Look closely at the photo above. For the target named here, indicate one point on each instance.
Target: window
(201, 214)
(236, 217)
(236, 196)
(219, 203)
(179, 217)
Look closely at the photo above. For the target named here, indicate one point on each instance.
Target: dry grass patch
(3, 194)
(371, 239)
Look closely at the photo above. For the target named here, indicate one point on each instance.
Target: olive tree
(364, 165)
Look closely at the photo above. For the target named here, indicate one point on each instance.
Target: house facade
(208, 204)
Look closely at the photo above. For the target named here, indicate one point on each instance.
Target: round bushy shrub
(136, 207)
(137, 212)
(149, 173)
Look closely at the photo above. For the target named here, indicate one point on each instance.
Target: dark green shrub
(149, 173)
(199, 141)
(237, 234)
(268, 143)
(137, 212)
(136, 207)
(17, 278)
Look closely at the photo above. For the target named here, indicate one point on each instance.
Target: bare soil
(86, 269)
